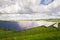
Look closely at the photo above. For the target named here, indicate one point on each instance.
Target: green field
(47, 20)
(39, 33)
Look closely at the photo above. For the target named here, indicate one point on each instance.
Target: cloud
(32, 9)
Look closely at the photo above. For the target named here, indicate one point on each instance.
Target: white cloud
(33, 9)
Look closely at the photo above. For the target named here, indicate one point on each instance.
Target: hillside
(39, 33)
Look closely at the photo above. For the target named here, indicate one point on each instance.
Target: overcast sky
(36, 9)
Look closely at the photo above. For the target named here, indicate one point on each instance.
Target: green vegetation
(39, 33)
(48, 20)
(53, 20)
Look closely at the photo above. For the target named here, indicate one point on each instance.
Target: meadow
(38, 33)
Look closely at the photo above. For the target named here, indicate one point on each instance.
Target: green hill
(39, 33)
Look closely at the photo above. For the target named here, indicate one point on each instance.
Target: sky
(29, 9)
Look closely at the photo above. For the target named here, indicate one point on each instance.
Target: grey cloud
(25, 8)
(55, 9)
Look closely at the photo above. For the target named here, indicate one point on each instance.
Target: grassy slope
(39, 33)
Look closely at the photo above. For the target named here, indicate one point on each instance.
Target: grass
(53, 20)
(47, 20)
(38, 33)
